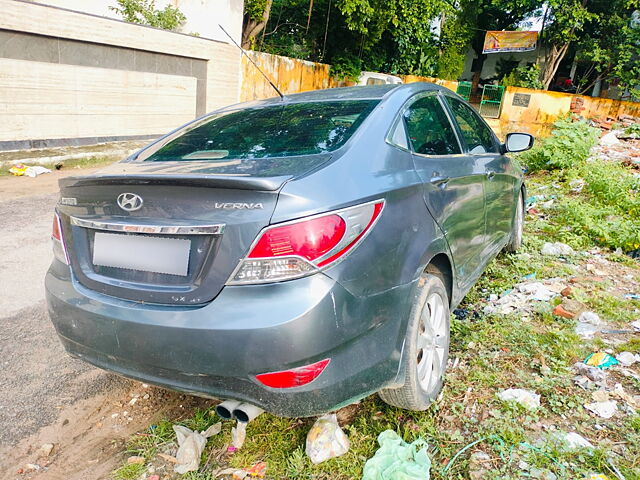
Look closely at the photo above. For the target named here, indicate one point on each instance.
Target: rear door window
(476, 133)
(429, 129)
(273, 131)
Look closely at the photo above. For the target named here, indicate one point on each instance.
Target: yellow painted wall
(545, 108)
(290, 75)
(450, 84)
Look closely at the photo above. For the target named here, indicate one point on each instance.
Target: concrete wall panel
(45, 100)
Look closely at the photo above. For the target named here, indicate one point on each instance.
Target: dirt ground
(45, 395)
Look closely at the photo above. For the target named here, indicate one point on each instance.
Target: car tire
(515, 242)
(424, 360)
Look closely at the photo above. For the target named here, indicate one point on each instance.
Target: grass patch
(129, 472)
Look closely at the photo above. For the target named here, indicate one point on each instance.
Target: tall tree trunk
(252, 27)
(309, 16)
(552, 62)
(555, 55)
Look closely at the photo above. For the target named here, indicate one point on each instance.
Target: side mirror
(518, 142)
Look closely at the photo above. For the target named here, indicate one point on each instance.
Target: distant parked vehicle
(297, 254)
(374, 78)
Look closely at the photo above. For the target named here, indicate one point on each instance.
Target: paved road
(36, 376)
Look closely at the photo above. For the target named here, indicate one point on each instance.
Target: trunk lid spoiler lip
(202, 180)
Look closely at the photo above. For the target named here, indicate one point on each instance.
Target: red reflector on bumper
(295, 377)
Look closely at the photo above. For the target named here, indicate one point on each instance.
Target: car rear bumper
(217, 349)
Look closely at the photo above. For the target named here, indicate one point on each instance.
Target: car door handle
(491, 174)
(439, 181)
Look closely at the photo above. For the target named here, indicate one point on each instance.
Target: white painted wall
(203, 16)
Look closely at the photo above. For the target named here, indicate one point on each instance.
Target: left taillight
(296, 377)
(302, 247)
(57, 238)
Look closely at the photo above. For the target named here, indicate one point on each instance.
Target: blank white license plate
(136, 252)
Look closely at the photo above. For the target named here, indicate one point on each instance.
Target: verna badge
(130, 202)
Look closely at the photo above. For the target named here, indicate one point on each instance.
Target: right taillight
(59, 250)
(302, 247)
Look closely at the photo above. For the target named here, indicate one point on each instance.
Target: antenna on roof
(251, 60)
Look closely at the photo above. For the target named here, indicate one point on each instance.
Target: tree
(566, 20)
(609, 47)
(389, 35)
(144, 12)
(256, 16)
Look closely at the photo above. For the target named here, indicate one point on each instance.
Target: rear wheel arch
(440, 265)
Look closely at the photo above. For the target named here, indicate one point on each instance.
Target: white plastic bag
(35, 171)
(526, 398)
(326, 439)
(190, 446)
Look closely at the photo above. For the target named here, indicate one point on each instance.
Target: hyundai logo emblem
(130, 202)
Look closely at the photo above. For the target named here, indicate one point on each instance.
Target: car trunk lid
(183, 242)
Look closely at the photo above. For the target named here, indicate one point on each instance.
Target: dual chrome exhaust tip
(243, 412)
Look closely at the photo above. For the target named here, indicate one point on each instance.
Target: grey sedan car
(297, 254)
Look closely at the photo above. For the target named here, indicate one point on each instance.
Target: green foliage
(607, 210)
(610, 217)
(567, 146)
(609, 45)
(129, 472)
(388, 36)
(346, 68)
(633, 130)
(455, 38)
(524, 76)
(144, 12)
(415, 44)
(254, 9)
(450, 64)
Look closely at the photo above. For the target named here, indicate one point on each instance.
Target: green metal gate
(464, 90)
(491, 102)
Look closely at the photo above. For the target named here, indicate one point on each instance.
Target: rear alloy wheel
(515, 242)
(426, 348)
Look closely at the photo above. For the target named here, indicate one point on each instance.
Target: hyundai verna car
(297, 254)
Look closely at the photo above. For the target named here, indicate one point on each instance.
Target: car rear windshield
(274, 131)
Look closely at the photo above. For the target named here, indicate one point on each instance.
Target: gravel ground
(37, 377)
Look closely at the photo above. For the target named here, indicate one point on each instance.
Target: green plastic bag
(398, 460)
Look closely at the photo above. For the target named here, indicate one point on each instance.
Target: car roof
(368, 92)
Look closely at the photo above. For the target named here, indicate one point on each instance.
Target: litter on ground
(238, 435)
(557, 249)
(526, 398)
(524, 297)
(326, 439)
(601, 360)
(609, 139)
(20, 170)
(588, 324)
(603, 409)
(627, 359)
(575, 441)
(190, 446)
(396, 459)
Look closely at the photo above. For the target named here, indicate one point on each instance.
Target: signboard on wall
(521, 100)
(499, 42)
